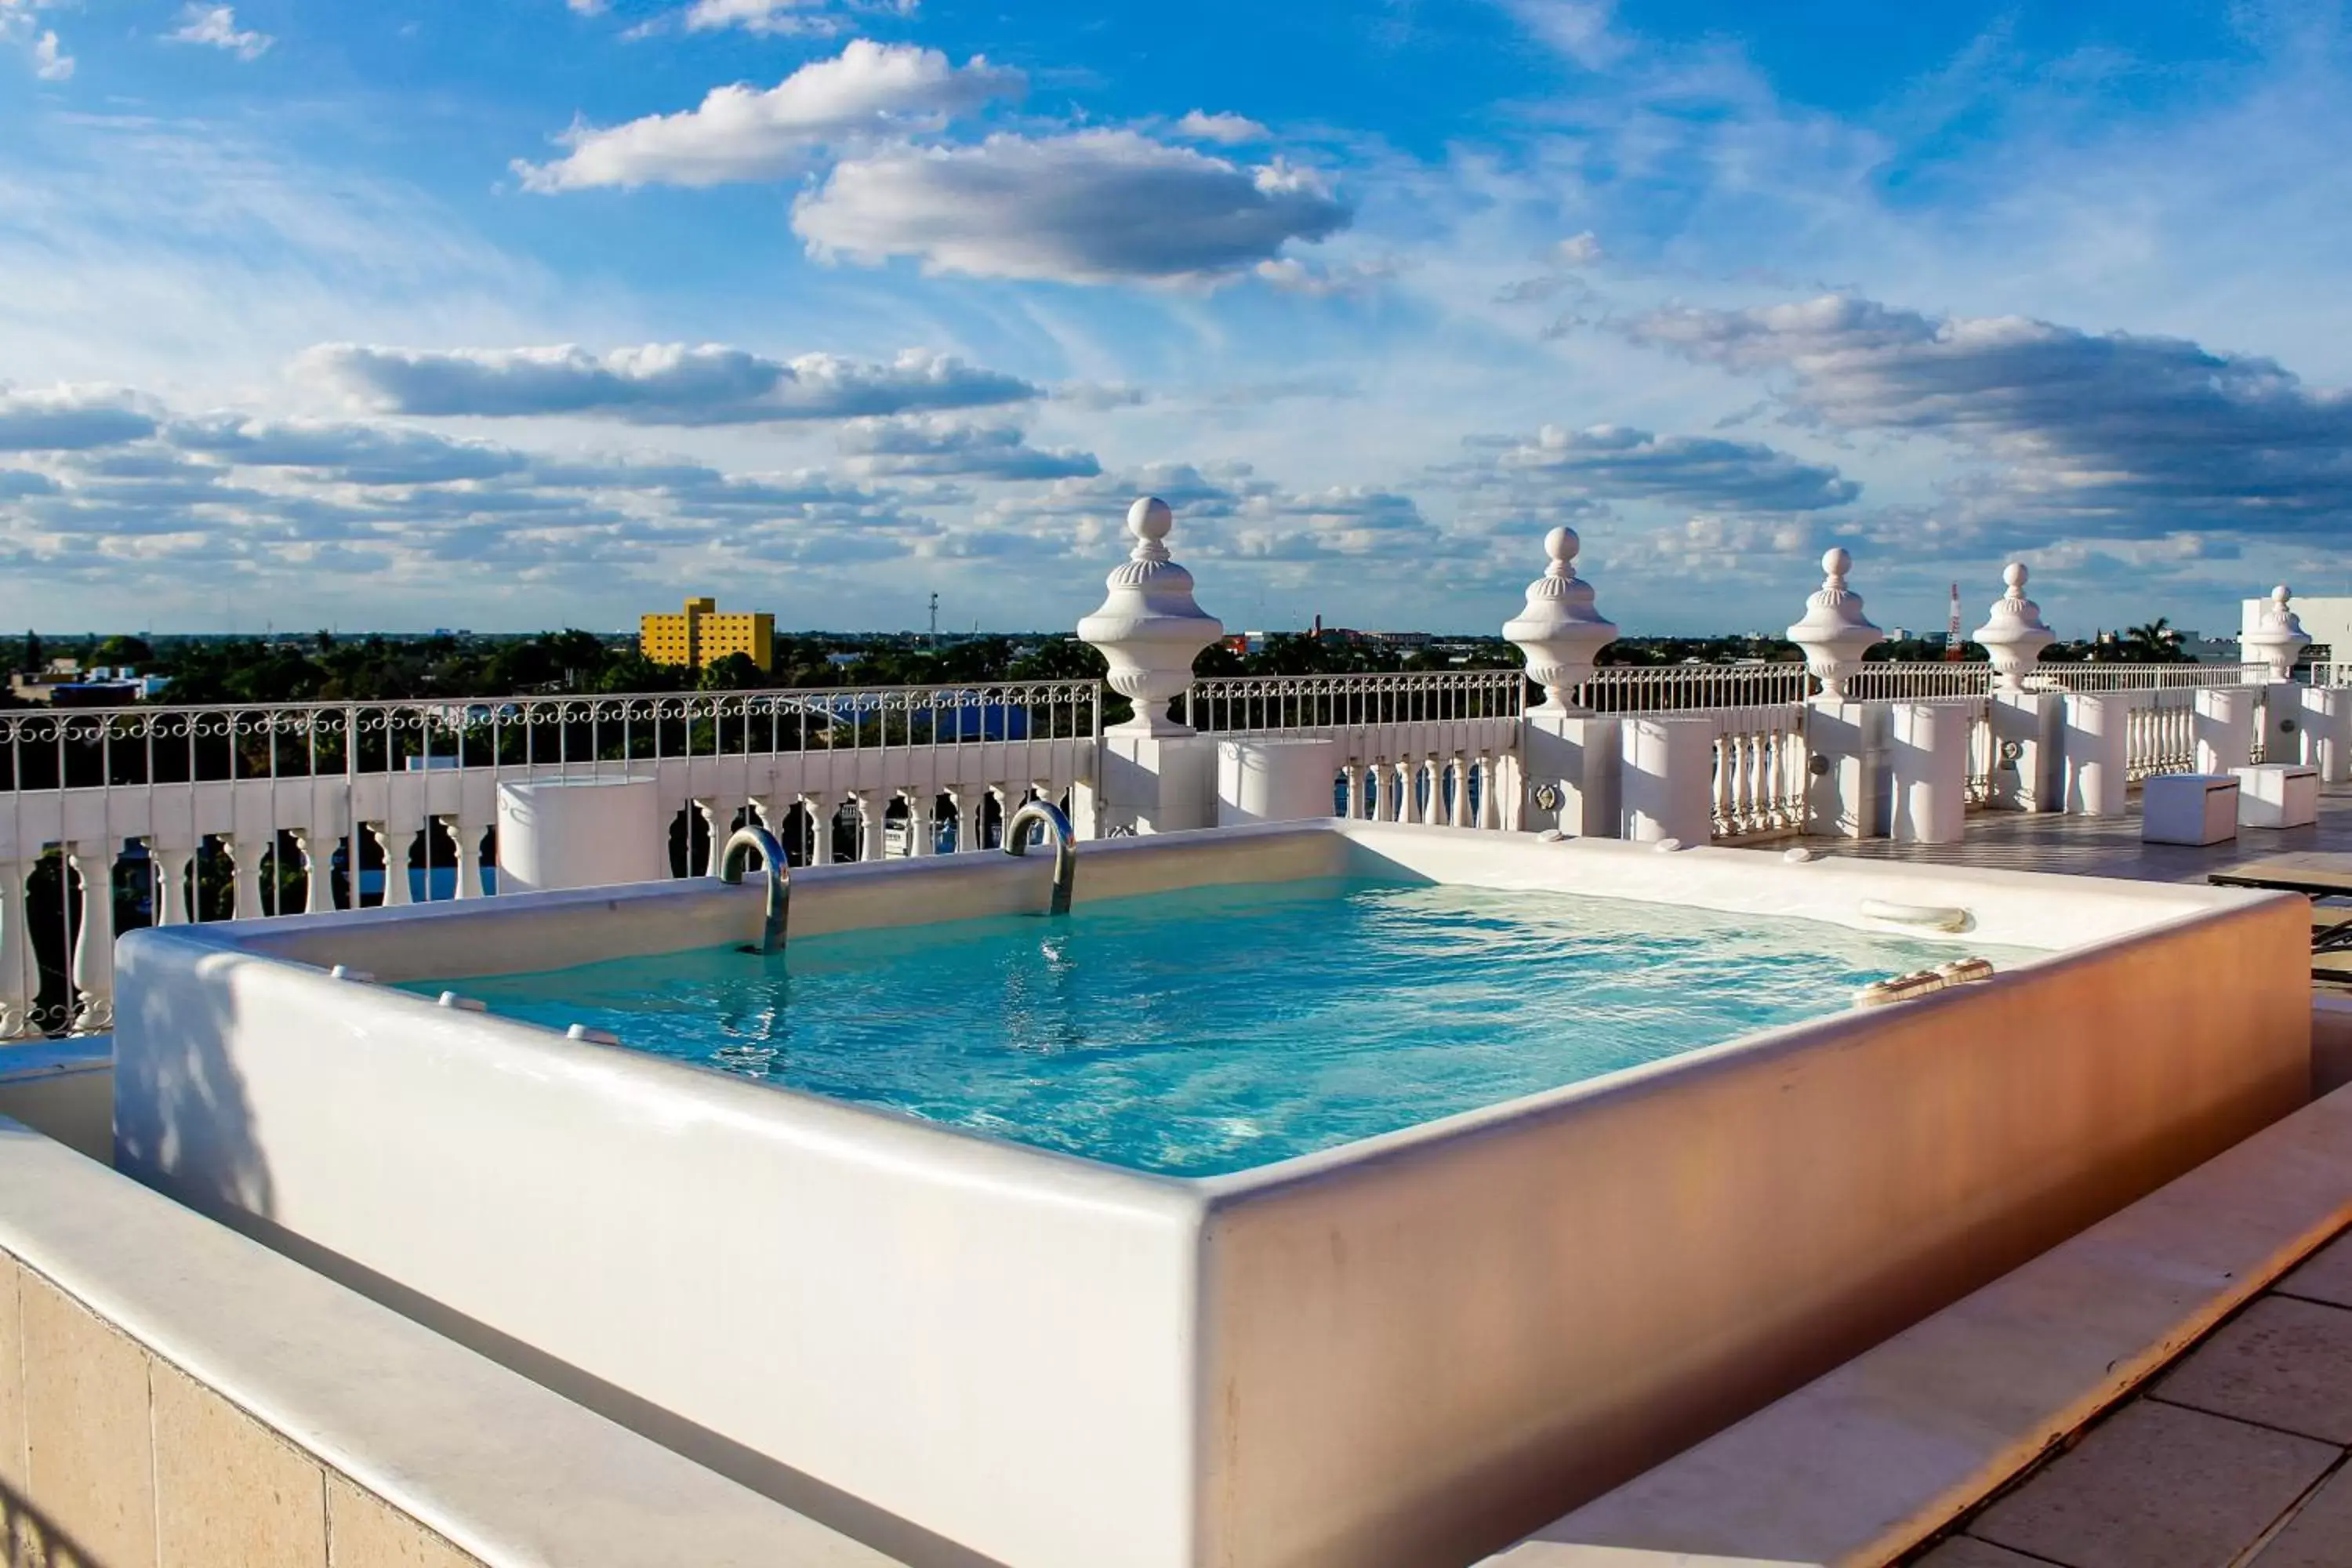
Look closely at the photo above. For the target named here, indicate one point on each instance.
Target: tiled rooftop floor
(2235, 1455)
(2106, 846)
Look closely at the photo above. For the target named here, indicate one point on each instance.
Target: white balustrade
(219, 804)
(1407, 745)
(1759, 771)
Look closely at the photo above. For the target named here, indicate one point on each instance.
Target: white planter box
(2278, 795)
(2189, 808)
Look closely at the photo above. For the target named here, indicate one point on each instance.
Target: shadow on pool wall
(1398, 1353)
(184, 1120)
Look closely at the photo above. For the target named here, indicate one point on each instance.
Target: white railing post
(2326, 714)
(1847, 737)
(92, 970)
(1928, 758)
(922, 823)
(2099, 753)
(245, 852)
(19, 983)
(467, 838)
(2222, 725)
(707, 807)
(1560, 633)
(319, 894)
(1157, 774)
(171, 863)
(395, 843)
(1668, 787)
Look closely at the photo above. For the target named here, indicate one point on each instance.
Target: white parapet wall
(1404, 1351)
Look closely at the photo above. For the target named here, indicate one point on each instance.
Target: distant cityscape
(699, 647)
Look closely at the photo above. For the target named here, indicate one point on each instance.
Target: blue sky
(514, 313)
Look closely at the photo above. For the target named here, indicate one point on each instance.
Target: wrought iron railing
(1291, 704)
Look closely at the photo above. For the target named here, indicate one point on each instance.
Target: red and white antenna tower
(1952, 631)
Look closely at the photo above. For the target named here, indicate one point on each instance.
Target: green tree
(121, 651)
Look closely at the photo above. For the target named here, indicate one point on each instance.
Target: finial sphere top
(1561, 544)
(1150, 518)
(2279, 595)
(1836, 562)
(2014, 575)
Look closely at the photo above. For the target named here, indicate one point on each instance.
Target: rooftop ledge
(174, 1387)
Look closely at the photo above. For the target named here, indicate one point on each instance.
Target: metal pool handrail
(757, 840)
(1066, 848)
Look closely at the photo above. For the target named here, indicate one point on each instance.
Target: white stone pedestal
(2278, 795)
(2029, 761)
(2282, 721)
(1581, 756)
(2327, 733)
(2189, 808)
(1928, 761)
(1667, 782)
(1277, 778)
(2098, 751)
(1157, 784)
(1848, 795)
(2224, 728)
(580, 833)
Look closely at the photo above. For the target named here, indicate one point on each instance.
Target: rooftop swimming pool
(1217, 1029)
(1434, 1181)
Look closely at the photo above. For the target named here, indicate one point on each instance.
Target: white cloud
(70, 418)
(2114, 431)
(1225, 129)
(348, 453)
(1318, 281)
(781, 17)
(938, 450)
(1092, 206)
(17, 26)
(741, 133)
(1580, 29)
(1617, 462)
(215, 27)
(658, 383)
(1578, 250)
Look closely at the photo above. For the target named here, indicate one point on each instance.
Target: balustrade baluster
(92, 970)
(20, 978)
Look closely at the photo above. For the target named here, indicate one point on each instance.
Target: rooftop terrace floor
(2236, 1454)
(2107, 846)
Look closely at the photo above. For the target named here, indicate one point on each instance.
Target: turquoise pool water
(1211, 1031)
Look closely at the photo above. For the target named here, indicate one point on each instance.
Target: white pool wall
(1544, 1298)
(1403, 1352)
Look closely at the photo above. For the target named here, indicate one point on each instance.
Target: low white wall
(1481, 1324)
(1405, 1351)
(63, 1090)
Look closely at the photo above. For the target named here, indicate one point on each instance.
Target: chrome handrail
(749, 840)
(1065, 847)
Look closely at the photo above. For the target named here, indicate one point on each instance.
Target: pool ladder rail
(1066, 846)
(746, 842)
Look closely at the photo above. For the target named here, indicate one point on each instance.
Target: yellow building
(701, 635)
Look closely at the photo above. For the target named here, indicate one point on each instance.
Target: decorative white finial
(2277, 638)
(1834, 632)
(2013, 635)
(1148, 628)
(1559, 631)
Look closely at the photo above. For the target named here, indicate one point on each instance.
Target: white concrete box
(2278, 795)
(1403, 1351)
(2189, 808)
